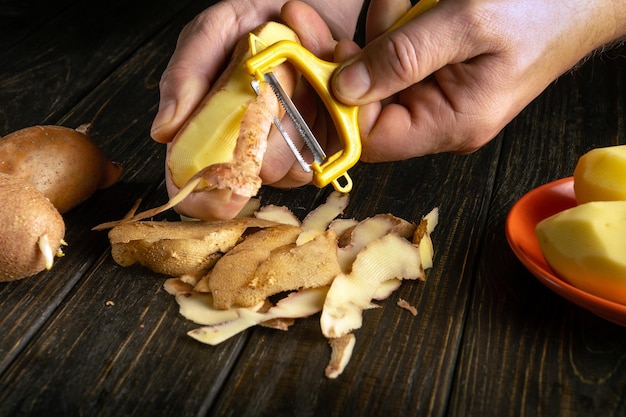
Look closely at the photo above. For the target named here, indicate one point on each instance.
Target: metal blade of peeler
(292, 111)
(283, 132)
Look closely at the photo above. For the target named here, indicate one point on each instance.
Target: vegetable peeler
(326, 169)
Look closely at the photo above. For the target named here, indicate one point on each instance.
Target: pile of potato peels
(225, 273)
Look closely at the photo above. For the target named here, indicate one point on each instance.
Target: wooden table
(91, 338)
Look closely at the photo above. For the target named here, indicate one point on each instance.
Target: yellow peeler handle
(318, 73)
(421, 7)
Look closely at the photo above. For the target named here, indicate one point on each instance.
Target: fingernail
(353, 81)
(165, 114)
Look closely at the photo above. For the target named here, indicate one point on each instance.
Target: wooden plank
(67, 56)
(526, 351)
(93, 338)
(402, 365)
(124, 137)
(115, 346)
(19, 19)
(409, 360)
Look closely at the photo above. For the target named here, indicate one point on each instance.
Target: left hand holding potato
(204, 48)
(206, 43)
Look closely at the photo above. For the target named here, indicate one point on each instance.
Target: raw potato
(31, 230)
(64, 164)
(390, 257)
(600, 175)
(221, 147)
(586, 245)
(214, 161)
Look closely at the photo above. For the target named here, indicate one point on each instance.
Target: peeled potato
(31, 229)
(64, 164)
(600, 175)
(586, 245)
(223, 142)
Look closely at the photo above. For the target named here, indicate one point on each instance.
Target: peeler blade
(296, 118)
(283, 132)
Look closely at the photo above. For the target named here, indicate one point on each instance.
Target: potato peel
(234, 272)
(341, 352)
(278, 214)
(422, 238)
(178, 248)
(362, 262)
(303, 303)
(386, 258)
(318, 220)
(290, 268)
(368, 231)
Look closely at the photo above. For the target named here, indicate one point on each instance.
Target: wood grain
(92, 338)
(526, 351)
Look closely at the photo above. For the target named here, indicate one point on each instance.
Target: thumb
(397, 60)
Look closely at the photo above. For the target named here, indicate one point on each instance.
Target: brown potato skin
(25, 215)
(64, 164)
(178, 248)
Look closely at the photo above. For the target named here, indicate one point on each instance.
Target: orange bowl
(534, 206)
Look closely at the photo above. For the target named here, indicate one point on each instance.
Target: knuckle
(484, 27)
(404, 64)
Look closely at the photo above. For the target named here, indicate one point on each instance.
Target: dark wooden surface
(489, 340)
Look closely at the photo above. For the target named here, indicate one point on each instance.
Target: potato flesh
(197, 149)
(586, 246)
(600, 175)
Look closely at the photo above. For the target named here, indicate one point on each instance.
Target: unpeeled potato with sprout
(44, 172)
(31, 230)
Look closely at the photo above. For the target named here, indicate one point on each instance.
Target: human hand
(205, 44)
(203, 49)
(452, 78)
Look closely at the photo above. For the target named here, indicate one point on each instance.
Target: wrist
(609, 22)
